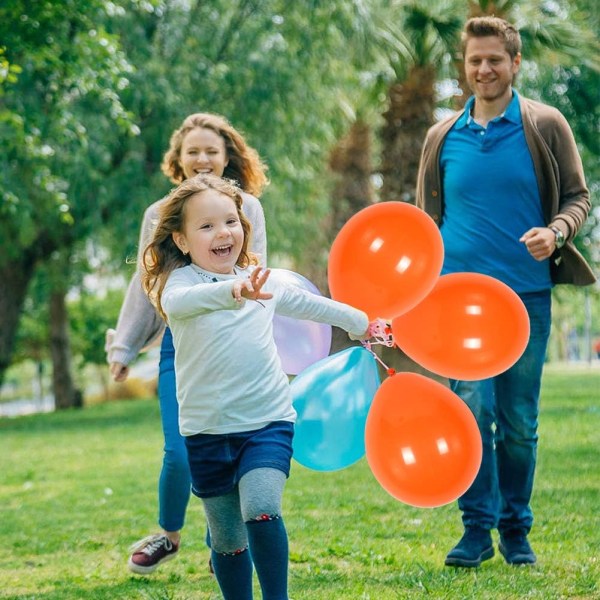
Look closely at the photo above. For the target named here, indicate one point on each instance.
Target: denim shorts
(219, 461)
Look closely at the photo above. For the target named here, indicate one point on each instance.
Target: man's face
(489, 68)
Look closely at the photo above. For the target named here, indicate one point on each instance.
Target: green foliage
(279, 72)
(70, 70)
(8, 72)
(92, 310)
(33, 329)
(91, 91)
(430, 35)
(575, 323)
(91, 315)
(349, 540)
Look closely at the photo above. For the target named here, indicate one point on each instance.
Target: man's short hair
(492, 26)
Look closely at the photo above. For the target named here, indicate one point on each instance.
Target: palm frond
(559, 41)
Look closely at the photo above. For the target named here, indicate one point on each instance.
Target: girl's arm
(184, 297)
(301, 304)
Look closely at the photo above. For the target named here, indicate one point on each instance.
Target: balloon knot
(382, 332)
(391, 372)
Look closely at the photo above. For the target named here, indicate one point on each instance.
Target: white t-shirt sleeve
(185, 298)
(301, 304)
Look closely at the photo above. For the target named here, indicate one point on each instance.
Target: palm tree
(424, 49)
(419, 50)
(352, 190)
(423, 46)
(550, 35)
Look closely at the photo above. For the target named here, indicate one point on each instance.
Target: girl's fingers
(264, 296)
(265, 276)
(237, 291)
(259, 279)
(251, 288)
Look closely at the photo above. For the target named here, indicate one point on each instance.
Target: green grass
(76, 488)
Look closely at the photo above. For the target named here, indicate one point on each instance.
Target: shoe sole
(469, 564)
(519, 559)
(140, 570)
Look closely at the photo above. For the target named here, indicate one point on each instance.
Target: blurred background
(335, 95)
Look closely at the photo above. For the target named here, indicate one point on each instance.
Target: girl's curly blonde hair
(162, 256)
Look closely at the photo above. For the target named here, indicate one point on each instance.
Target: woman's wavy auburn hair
(162, 256)
(244, 167)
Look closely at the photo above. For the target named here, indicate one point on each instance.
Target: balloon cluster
(421, 441)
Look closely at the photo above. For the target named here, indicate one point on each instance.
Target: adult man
(505, 182)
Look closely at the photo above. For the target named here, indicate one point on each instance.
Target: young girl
(235, 408)
(204, 143)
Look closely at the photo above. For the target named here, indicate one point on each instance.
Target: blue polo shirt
(491, 199)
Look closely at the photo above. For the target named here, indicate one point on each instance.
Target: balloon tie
(382, 334)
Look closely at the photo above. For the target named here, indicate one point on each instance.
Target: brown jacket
(565, 197)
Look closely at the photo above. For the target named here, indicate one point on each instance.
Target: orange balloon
(469, 327)
(385, 259)
(422, 441)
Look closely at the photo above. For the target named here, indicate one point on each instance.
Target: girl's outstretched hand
(251, 288)
(379, 329)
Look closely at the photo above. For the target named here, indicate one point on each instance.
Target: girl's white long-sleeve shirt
(139, 325)
(228, 372)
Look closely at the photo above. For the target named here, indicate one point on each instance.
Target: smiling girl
(203, 143)
(235, 408)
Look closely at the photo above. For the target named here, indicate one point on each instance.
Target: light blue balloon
(332, 398)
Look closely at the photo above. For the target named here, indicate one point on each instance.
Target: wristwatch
(559, 237)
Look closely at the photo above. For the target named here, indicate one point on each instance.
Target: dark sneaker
(150, 552)
(516, 549)
(474, 547)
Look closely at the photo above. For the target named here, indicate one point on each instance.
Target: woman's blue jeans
(174, 484)
(506, 408)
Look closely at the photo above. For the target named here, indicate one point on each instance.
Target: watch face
(559, 237)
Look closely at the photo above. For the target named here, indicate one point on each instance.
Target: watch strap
(559, 235)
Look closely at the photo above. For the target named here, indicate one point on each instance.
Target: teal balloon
(332, 398)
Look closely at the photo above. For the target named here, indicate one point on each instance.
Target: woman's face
(203, 151)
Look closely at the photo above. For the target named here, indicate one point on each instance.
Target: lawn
(77, 487)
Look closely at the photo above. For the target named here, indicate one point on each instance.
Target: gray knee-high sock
(230, 557)
(269, 547)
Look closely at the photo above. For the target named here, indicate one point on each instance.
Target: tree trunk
(65, 394)
(350, 161)
(350, 164)
(409, 116)
(15, 276)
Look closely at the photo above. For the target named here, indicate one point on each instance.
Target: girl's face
(203, 151)
(212, 232)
